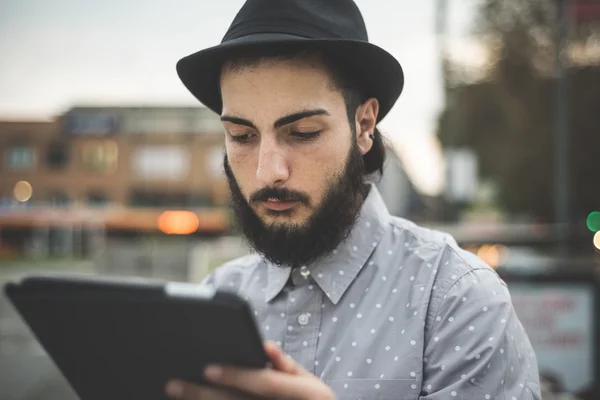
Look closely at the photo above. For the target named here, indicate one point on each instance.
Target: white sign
(161, 162)
(559, 321)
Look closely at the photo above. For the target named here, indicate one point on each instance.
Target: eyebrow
(288, 119)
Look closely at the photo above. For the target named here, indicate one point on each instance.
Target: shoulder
(454, 271)
(419, 235)
(452, 260)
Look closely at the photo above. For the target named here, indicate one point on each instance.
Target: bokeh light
(178, 222)
(23, 191)
(493, 255)
(593, 221)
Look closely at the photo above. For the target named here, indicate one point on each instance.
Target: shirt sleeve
(476, 347)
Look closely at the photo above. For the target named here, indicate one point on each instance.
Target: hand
(287, 380)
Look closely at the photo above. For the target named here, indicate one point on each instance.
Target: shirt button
(303, 319)
(304, 271)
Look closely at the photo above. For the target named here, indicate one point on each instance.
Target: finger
(181, 390)
(267, 383)
(281, 361)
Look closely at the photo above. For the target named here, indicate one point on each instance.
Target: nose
(272, 167)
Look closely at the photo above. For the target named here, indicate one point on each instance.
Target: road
(26, 372)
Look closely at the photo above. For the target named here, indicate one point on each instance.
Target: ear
(366, 120)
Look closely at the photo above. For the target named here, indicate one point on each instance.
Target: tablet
(118, 339)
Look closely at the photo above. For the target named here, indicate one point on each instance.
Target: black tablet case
(122, 340)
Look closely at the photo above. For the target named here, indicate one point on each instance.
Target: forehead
(272, 87)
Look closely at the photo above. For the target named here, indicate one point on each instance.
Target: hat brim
(380, 72)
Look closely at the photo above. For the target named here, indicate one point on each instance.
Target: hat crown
(312, 19)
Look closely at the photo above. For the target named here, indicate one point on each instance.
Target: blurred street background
(108, 166)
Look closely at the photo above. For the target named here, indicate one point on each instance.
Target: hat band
(284, 25)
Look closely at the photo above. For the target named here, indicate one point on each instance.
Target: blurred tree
(505, 113)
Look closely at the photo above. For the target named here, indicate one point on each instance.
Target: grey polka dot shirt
(396, 312)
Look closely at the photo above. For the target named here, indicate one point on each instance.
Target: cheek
(327, 156)
(240, 157)
(243, 167)
(316, 167)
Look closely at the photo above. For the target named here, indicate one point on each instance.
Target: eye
(245, 138)
(306, 135)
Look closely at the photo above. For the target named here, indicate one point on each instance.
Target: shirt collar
(277, 277)
(337, 271)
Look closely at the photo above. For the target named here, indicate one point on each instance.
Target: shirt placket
(304, 309)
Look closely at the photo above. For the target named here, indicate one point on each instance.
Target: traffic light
(593, 221)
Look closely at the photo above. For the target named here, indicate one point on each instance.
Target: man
(365, 305)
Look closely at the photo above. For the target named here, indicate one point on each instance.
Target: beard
(289, 244)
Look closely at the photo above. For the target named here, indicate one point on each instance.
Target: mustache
(280, 194)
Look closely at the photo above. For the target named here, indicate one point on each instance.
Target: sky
(60, 53)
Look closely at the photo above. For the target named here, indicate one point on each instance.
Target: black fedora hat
(333, 26)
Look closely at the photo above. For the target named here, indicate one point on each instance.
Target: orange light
(493, 255)
(178, 222)
(482, 251)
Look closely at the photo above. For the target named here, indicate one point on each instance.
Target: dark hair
(342, 79)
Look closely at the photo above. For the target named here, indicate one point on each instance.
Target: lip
(276, 205)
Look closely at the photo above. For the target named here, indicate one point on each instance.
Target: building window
(100, 156)
(168, 162)
(97, 198)
(214, 161)
(20, 157)
(57, 156)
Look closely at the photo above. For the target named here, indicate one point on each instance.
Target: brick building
(125, 156)
(99, 169)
